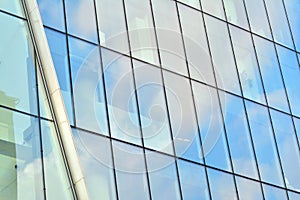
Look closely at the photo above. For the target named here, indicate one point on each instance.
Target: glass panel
(131, 176)
(96, 165)
(297, 125)
(12, 6)
(56, 178)
(141, 31)
(112, 35)
(182, 117)
(169, 37)
(152, 106)
(270, 72)
(291, 75)
(274, 193)
(122, 108)
(20, 160)
(89, 100)
(52, 13)
(211, 126)
(222, 55)
(17, 71)
(214, 7)
(163, 176)
(235, 12)
(292, 8)
(238, 135)
(279, 23)
(258, 18)
(193, 3)
(264, 144)
(81, 19)
(293, 195)
(221, 185)
(247, 189)
(58, 47)
(196, 45)
(193, 181)
(288, 148)
(247, 65)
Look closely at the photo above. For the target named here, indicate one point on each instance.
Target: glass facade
(167, 99)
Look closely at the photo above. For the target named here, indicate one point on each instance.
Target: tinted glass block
(112, 35)
(193, 181)
(163, 176)
(87, 79)
(97, 166)
(247, 65)
(199, 61)
(131, 176)
(221, 185)
(182, 117)
(264, 144)
(222, 55)
(271, 75)
(52, 13)
(81, 19)
(168, 36)
(288, 148)
(17, 69)
(121, 99)
(58, 48)
(211, 127)
(141, 31)
(238, 135)
(152, 106)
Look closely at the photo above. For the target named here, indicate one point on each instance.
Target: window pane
(292, 7)
(81, 20)
(288, 148)
(12, 6)
(131, 175)
(121, 98)
(141, 31)
(56, 178)
(291, 75)
(193, 3)
(247, 65)
(214, 7)
(264, 144)
(163, 176)
(211, 127)
(235, 12)
(20, 157)
(297, 125)
(169, 37)
(199, 61)
(293, 196)
(96, 165)
(90, 109)
(274, 193)
(52, 13)
(238, 136)
(222, 55)
(58, 47)
(221, 185)
(17, 70)
(112, 35)
(152, 106)
(271, 74)
(258, 18)
(192, 180)
(279, 23)
(182, 117)
(248, 190)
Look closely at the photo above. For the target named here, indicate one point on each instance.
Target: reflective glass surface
(235, 13)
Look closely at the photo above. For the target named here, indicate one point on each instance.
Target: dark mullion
(69, 63)
(165, 97)
(106, 103)
(137, 100)
(193, 99)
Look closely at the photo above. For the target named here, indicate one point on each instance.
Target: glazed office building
(150, 99)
